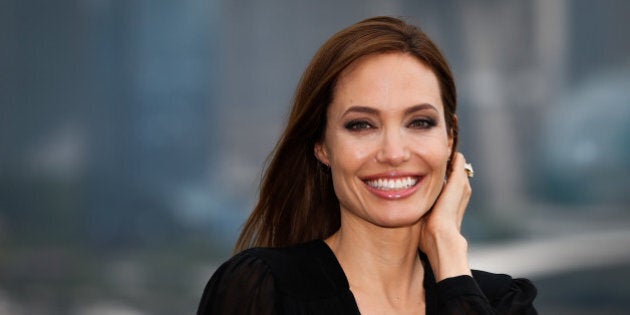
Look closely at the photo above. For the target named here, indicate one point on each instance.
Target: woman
(361, 206)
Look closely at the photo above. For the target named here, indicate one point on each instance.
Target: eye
(422, 123)
(358, 125)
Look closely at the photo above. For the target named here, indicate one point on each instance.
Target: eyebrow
(371, 110)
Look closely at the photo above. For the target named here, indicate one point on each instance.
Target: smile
(392, 187)
(392, 184)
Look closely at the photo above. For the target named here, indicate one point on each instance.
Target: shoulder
(268, 259)
(306, 270)
(242, 285)
(300, 270)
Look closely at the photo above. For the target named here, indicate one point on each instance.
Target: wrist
(448, 255)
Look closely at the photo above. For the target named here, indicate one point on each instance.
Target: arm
(486, 293)
(446, 249)
(440, 236)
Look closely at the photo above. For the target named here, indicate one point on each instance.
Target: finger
(458, 186)
(459, 167)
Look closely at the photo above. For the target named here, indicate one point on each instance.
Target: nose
(393, 149)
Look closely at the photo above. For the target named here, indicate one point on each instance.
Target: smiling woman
(361, 206)
(388, 138)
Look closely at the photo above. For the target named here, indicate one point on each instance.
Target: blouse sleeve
(242, 285)
(486, 293)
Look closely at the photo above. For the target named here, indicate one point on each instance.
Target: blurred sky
(133, 135)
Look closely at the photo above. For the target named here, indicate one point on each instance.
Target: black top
(307, 279)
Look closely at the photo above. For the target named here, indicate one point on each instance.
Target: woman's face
(386, 140)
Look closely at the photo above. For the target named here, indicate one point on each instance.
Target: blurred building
(133, 135)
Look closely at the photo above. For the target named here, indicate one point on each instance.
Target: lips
(392, 186)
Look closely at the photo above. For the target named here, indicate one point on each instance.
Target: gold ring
(469, 170)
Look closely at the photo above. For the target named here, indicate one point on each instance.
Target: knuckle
(468, 189)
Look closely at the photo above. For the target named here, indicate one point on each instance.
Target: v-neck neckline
(333, 270)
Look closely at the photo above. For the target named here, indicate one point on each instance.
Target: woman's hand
(440, 234)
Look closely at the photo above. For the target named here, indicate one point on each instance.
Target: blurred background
(133, 136)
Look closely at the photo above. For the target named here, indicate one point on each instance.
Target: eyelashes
(357, 125)
(423, 123)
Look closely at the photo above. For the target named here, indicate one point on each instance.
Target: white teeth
(392, 184)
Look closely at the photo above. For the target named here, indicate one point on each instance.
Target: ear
(321, 153)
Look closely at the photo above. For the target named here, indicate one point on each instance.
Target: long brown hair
(297, 202)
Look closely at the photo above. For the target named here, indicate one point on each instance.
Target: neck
(380, 262)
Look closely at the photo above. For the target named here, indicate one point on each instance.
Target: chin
(400, 218)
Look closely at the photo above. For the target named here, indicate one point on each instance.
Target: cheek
(435, 149)
(348, 155)
(443, 159)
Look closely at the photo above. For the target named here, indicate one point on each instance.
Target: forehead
(387, 80)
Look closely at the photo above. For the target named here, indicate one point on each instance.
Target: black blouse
(307, 279)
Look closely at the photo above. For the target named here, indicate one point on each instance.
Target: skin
(386, 121)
